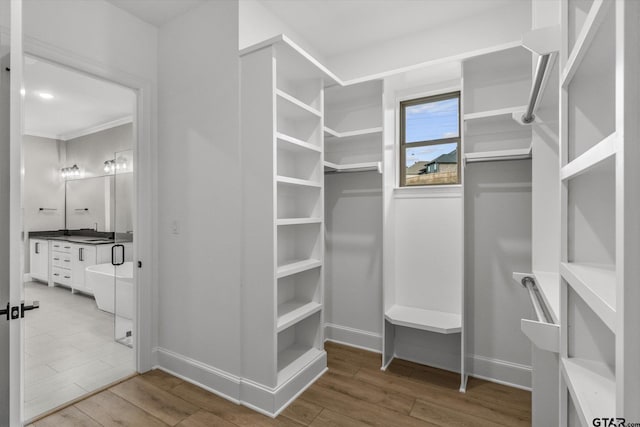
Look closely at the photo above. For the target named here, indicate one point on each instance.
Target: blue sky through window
(432, 120)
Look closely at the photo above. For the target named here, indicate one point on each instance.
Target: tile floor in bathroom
(69, 349)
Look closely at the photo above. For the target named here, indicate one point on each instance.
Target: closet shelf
(349, 134)
(594, 18)
(291, 107)
(549, 285)
(492, 156)
(596, 285)
(294, 144)
(509, 111)
(292, 312)
(352, 167)
(293, 359)
(296, 221)
(296, 181)
(592, 157)
(427, 320)
(297, 266)
(592, 386)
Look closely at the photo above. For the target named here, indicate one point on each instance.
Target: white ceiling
(338, 26)
(156, 12)
(80, 103)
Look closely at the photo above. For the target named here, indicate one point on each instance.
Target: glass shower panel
(123, 249)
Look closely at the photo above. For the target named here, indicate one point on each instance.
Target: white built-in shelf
(508, 112)
(297, 266)
(592, 386)
(297, 181)
(427, 320)
(293, 359)
(350, 134)
(291, 312)
(297, 221)
(590, 158)
(492, 156)
(287, 142)
(549, 285)
(352, 167)
(291, 107)
(596, 15)
(596, 285)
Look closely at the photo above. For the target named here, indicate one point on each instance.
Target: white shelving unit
(283, 189)
(495, 86)
(600, 249)
(353, 131)
(426, 320)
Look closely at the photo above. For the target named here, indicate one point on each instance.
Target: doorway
(79, 199)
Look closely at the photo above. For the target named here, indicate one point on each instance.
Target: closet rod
(536, 299)
(540, 78)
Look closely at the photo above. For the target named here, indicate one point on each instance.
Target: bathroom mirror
(91, 203)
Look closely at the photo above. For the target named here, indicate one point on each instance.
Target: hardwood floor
(354, 392)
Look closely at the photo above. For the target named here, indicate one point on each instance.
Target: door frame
(144, 182)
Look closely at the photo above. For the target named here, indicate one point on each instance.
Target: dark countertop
(88, 237)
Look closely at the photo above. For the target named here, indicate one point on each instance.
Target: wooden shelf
(296, 221)
(292, 312)
(427, 320)
(492, 156)
(596, 285)
(596, 16)
(592, 386)
(350, 134)
(293, 359)
(291, 107)
(296, 181)
(352, 167)
(494, 113)
(592, 157)
(297, 266)
(295, 144)
(549, 285)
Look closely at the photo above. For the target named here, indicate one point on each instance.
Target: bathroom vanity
(59, 259)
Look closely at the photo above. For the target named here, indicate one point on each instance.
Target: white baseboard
(216, 381)
(353, 337)
(26, 278)
(499, 371)
(239, 390)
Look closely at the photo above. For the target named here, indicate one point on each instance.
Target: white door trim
(145, 216)
(15, 217)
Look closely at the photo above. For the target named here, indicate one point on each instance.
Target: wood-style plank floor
(354, 392)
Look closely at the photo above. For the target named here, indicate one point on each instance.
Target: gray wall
(497, 243)
(353, 258)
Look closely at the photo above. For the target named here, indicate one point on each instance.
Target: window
(430, 140)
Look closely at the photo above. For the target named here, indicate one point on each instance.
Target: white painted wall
(257, 23)
(200, 201)
(497, 243)
(436, 44)
(353, 258)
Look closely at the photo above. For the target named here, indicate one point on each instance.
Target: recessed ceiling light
(45, 95)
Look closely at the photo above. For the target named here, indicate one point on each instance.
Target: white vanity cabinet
(82, 256)
(39, 259)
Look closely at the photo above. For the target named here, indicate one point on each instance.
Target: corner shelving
(508, 112)
(283, 193)
(590, 158)
(352, 167)
(592, 386)
(350, 134)
(490, 156)
(596, 285)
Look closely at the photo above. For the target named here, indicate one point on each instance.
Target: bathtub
(103, 280)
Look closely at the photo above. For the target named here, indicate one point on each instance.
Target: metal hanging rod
(536, 299)
(544, 65)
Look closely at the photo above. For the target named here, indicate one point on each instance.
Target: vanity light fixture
(45, 95)
(109, 166)
(120, 164)
(73, 171)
